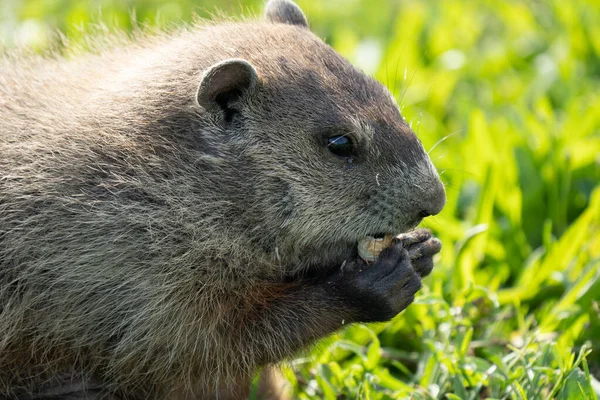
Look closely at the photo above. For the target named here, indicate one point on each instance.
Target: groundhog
(181, 209)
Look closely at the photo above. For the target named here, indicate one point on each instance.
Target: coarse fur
(160, 240)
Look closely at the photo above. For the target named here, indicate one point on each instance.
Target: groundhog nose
(434, 201)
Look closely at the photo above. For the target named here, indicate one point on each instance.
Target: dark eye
(341, 146)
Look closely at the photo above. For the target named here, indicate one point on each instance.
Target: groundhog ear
(285, 12)
(224, 84)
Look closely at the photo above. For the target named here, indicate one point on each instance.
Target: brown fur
(148, 249)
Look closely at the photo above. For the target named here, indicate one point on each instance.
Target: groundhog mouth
(369, 247)
(381, 235)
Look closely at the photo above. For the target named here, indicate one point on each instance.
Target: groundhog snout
(433, 200)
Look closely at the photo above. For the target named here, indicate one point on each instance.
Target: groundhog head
(330, 156)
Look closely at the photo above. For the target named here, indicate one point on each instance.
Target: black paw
(421, 246)
(380, 291)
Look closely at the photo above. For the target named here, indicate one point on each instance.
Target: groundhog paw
(380, 291)
(421, 246)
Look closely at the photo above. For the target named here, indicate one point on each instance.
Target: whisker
(423, 104)
(387, 76)
(433, 220)
(460, 170)
(398, 65)
(452, 188)
(444, 138)
(419, 120)
(405, 85)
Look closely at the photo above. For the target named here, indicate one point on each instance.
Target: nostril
(424, 214)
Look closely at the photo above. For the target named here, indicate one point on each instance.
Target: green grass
(506, 96)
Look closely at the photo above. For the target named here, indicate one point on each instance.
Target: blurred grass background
(506, 97)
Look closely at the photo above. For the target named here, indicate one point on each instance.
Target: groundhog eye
(341, 146)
